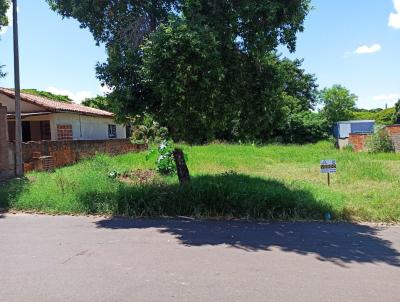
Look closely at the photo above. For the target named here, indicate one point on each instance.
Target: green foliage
(363, 115)
(385, 117)
(380, 142)
(205, 69)
(338, 102)
(165, 162)
(146, 130)
(200, 95)
(48, 95)
(305, 127)
(99, 102)
(4, 6)
(381, 116)
(397, 113)
(181, 68)
(114, 174)
(122, 27)
(349, 148)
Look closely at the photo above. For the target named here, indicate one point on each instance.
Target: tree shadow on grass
(9, 191)
(225, 195)
(341, 243)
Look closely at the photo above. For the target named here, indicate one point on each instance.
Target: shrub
(146, 130)
(380, 142)
(380, 116)
(305, 127)
(164, 158)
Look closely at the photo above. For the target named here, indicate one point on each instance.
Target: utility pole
(18, 122)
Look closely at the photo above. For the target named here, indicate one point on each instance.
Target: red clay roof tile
(56, 106)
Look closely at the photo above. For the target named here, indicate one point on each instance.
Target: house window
(64, 132)
(112, 131)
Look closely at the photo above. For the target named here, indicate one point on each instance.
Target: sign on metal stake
(328, 167)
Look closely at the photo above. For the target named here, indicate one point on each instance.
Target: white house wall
(25, 107)
(85, 127)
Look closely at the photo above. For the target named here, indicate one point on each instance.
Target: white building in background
(46, 119)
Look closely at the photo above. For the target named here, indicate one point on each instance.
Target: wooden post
(329, 179)
(181, 167)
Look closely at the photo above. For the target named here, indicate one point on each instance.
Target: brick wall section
(358, 141)
(69, 152)
(393, 129)
(394, 133)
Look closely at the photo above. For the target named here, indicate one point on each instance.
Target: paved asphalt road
(45, 258)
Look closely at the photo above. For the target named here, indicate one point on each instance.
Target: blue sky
(355, 43)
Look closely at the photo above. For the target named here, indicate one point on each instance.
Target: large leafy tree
(4, 5)
(200, 98)
(122, 26)
(204, 68)
(339, 103)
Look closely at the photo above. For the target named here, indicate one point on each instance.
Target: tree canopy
(261, 25)
(339, 103)
(98, 102)
(199, 94)
(206, 69)
(49, 95)
(381, 116)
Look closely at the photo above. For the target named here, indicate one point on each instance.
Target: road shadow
(340, 243)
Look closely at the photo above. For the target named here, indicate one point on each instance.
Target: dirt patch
(140, 177)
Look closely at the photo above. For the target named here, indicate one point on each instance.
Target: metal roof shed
(343, 129)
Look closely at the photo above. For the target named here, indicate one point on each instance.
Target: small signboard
(328, 166)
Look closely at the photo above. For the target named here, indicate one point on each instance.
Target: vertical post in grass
(181, 167)
(329, 179)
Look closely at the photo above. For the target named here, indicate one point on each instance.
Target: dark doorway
(26, 131)
(31, 131)
(45, 132)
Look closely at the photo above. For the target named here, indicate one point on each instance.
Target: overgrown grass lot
(242, 181)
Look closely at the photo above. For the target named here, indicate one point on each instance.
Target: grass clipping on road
(241, 181)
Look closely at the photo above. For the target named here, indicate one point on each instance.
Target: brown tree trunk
(181, 167)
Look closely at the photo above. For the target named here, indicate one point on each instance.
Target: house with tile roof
(45, 119)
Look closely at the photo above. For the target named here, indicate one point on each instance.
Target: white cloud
(389, 99)
(365, 49)
(9, 15)
(77, 97)
(394, 18)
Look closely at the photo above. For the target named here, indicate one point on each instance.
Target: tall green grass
(244, 181)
